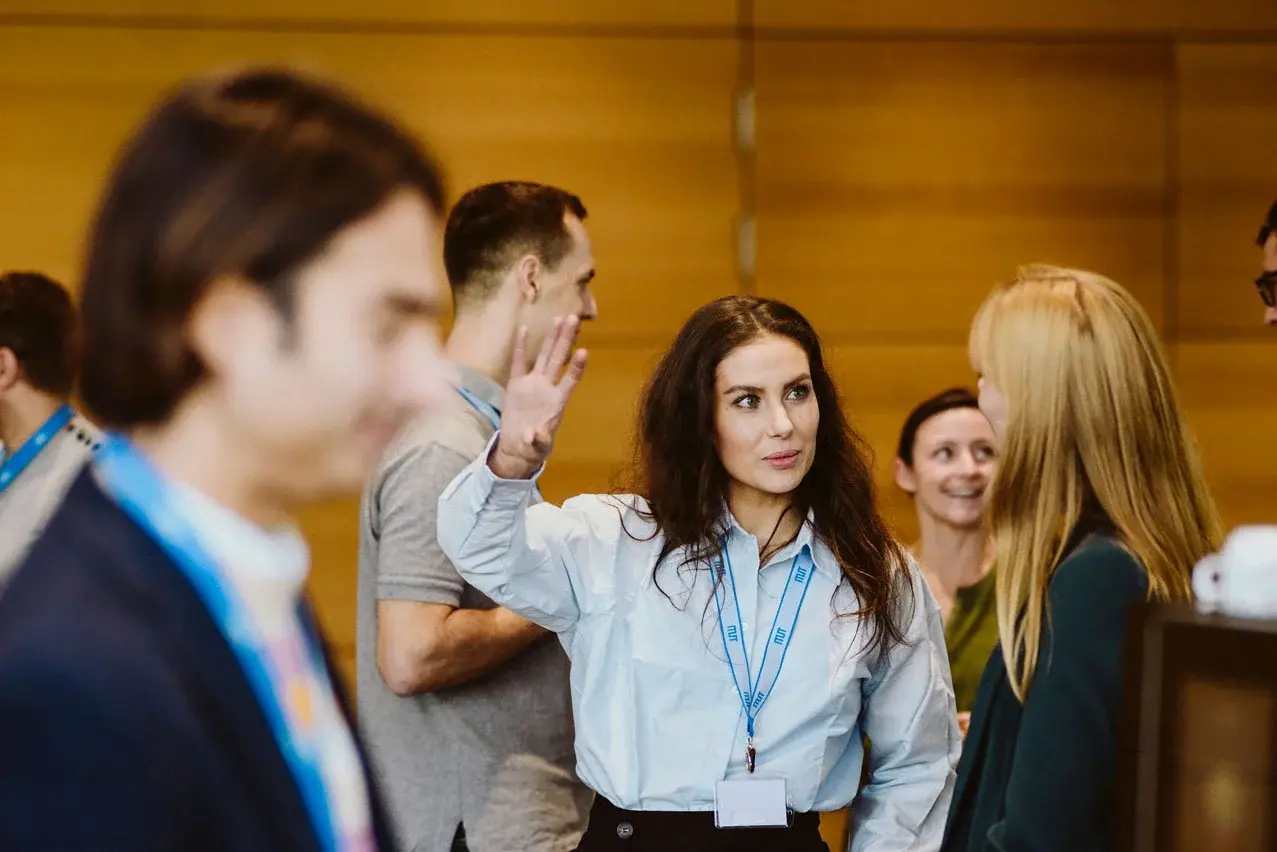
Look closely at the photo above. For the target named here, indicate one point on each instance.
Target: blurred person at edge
(1239, 579)
(1098, 504)
(944, 460)
(46, 441)
(714, 709)
(1267, 280)
(259, 315)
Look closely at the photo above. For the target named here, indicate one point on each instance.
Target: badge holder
(754, 802)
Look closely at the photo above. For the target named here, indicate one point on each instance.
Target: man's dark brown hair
(493, 225)
(38, 324)
(249, 175)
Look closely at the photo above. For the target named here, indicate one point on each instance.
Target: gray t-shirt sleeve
(410, 565)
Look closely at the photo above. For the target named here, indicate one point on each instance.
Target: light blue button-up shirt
(658, 720)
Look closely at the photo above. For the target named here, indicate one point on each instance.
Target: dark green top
(1042, 776)
(970, 633)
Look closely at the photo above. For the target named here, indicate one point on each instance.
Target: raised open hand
(535, 398)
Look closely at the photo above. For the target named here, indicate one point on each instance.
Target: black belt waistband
(605, 815)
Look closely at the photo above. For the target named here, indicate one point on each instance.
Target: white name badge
(750, 803)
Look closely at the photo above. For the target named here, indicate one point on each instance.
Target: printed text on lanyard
(753, 692)
(23, 456)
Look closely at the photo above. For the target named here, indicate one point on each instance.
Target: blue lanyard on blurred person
(21, 459)
(128, 477)
(753, 692)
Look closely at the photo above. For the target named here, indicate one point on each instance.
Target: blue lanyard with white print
(21, 459)
(128, 477)
(754, 692)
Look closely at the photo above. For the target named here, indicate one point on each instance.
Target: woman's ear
(904, 476)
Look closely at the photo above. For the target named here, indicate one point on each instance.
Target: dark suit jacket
(126, 722)
(1042, 776)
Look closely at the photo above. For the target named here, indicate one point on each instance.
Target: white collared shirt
(658, 720)
(267, 570)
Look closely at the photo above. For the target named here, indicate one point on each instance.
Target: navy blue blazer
(126, 722)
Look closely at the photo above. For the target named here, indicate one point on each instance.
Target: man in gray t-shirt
(43, 442)
(466, 706)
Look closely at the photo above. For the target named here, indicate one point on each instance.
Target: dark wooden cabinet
(1197, 768)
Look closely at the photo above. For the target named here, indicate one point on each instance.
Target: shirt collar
(274, 561)
(806, 538)
(481, 386)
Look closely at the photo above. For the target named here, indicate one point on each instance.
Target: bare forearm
(466, 644)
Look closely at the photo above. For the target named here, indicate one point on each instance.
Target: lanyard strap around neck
(489, 413)
(487, 410)
(754, 691)
(128, 477)
(21, 458)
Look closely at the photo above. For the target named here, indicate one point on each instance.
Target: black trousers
(459, 840)
(614, 830)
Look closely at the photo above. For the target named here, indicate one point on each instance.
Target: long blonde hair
(1092, 419)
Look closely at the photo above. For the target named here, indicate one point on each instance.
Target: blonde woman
(1098, 503)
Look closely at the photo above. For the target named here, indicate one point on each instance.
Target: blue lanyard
(756, 690)
(489, 412)
(140, 491)
(493, 416)
(32, 447)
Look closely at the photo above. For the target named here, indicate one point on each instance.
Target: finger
(547, 346)
(519, 360)
(563, 346)
(573, 374)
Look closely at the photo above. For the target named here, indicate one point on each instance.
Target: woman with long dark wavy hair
(743, 620)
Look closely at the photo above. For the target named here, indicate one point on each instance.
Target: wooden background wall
(903, 162)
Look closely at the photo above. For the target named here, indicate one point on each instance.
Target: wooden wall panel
(879, 386)
(983, 17)
(641, 128)
(505, 14)
(1227, 179)
(1228, 391)
(898, 182)
(97, 9)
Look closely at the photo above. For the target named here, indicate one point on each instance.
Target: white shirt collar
(806, 538)
(275, 562)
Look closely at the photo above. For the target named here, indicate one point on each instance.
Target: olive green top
(970, 633)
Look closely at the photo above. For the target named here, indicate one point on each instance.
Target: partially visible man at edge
(259, 315)
(1267, 280)
(45, 441)
(466, 705)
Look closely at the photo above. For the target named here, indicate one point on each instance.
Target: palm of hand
(536, 397)
(534, 406)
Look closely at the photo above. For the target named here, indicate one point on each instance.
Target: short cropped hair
(493, 225)
(944, 401)
(248, 174)
(38, 323)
